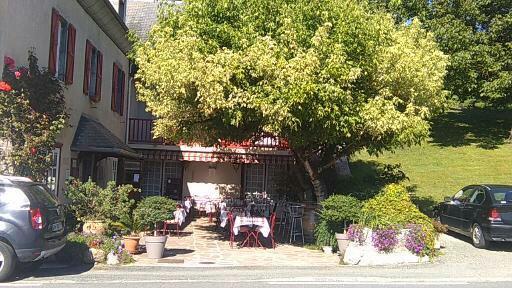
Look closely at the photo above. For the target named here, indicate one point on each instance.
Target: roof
(102, 12)
(141, 16)
(92, 136)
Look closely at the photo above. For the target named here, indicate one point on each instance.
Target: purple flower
(385, 240)
(355, 234)
(415, 239)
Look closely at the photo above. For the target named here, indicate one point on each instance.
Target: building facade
(84, 43)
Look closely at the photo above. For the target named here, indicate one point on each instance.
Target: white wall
(26, 23)
(202, 182)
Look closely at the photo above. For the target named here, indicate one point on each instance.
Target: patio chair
(296, 213)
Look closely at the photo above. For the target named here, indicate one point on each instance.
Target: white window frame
(52, 177)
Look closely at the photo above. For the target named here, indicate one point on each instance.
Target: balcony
(141, 132)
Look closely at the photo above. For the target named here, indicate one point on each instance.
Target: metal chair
(296, 212)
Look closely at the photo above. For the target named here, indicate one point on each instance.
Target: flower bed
(385, 246)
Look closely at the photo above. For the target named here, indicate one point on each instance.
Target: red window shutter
(87, 66)
(70, 61)
(122, 94)
(54, 38)
(114, 88)
(99, 68)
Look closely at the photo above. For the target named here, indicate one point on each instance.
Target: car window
(13, 197)
(478, 197)
(463, 196)
(39, 194)
(501, 195)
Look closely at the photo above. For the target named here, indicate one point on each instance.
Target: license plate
(56, 227)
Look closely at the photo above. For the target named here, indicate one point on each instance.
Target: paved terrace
(204, 244)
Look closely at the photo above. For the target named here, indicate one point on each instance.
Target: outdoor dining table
(256, 225)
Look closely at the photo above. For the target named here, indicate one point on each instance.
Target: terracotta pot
(94, 227)
(343, 242)
(155, 246)
(131, 243)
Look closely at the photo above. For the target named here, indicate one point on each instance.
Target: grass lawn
(467, 146)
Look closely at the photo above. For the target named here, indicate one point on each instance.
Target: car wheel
(7, 261)
(477, 235)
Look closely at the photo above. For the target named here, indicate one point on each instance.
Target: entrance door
(173, 180)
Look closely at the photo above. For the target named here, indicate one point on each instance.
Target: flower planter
(343, 242)
(94, 227)
(155, 246)
(131, 243)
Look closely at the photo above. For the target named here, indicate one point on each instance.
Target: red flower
(11, 64)
(17, 74)
(33, 150)
(5, 87)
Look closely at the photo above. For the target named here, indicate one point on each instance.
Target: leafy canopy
(319, 73)
(476, 34)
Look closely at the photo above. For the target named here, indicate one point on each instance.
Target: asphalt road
(248, 277)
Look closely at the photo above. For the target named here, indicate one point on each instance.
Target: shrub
(393, 208)
(385, 240)
(152, 210)
(336, 211)
(88, 201)
(355, 233)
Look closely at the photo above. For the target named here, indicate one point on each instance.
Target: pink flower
(5, 87)
(11, 64)
(17, 74)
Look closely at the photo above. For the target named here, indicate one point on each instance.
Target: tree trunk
(318, 184)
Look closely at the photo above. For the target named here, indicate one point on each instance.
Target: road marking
(367, 283)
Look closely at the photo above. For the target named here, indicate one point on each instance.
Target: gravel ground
(459, 250)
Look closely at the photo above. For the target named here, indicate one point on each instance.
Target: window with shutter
(62, 48)
(93, 72)
(118, 89)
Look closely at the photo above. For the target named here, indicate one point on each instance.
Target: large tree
(476, 34)
(331, 76)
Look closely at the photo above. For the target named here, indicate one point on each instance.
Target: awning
(201, 156)
(92, 136)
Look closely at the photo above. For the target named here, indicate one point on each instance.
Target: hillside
(466, 146)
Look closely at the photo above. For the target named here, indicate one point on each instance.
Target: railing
(141, 132)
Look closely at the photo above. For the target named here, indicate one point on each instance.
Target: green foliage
(337, 211)
(88, 201)
(477, 36)
(152, 210)
(339, 208)
(334, 69)
(33, 114)
(325, 235)
(393, 208)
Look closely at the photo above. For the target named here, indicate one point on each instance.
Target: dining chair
(272, 228)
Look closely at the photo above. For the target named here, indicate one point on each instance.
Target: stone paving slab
(202, 244)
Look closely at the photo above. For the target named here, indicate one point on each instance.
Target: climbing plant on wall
(33, 113)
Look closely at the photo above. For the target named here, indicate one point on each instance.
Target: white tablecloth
(260, 222)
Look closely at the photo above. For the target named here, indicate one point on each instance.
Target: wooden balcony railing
(141, 132)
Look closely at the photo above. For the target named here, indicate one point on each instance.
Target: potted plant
(149, 213)
(90, 205)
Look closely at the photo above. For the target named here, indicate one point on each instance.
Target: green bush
(88, 201)
(337, 210)
(152, 210)
(393, 208)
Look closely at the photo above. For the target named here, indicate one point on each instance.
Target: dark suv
(31, 224)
